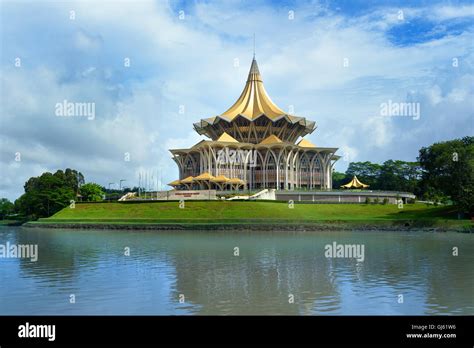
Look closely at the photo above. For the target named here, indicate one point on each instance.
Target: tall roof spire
(254, 46)
(254, 73)
(253, 103)
(254, 100)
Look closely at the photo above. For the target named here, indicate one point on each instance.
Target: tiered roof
(252, 104)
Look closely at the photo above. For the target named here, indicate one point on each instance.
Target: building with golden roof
(254, 145)
(354, 183)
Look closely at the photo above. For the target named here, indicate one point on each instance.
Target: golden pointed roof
(306, 143)
(272, 139)
(204, 176)
(354, 183)
(252, 104)
(236, 181)
(187, 180)
(220, 178)
(175, 183)
(254, 100)
(226, 138)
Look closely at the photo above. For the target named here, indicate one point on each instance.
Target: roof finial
(253, 45)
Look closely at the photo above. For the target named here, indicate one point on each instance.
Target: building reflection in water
(269, 269)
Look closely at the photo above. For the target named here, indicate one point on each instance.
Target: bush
(6, 208)
(367, 200)
(91, 192)
(376, 200)
(385, 201)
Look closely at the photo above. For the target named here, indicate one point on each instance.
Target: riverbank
(255, 215)
(296, 227)
(11, 222)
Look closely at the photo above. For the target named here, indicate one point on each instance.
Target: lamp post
(110, 183)
(121, 180)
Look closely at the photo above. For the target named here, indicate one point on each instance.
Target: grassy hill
(251, 212)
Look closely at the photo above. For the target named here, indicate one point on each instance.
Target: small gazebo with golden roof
(175, 183)
(354, 183)
(208, 182)
(204, 180)
(220, 181)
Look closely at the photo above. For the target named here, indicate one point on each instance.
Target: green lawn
(251, 212)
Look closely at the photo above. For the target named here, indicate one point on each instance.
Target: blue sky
(396, 50)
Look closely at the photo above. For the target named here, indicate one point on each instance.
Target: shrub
(367, 200)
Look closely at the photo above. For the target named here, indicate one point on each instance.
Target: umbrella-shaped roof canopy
(236, 181)
(354, 183)
(220, 178)
(204, 176)
(187, 180)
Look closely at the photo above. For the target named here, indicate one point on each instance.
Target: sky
(153, 68)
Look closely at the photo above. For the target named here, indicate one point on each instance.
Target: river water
(205, 273)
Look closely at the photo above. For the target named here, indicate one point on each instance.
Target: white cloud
(451, 12)
(87, 42)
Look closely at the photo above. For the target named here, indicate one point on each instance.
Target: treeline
(444, 172)
(48, 193)
(390, 176)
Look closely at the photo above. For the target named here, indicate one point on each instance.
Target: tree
(91, 192)
(49, 193)
(448, 170)
(391, 175)
(338, 179)
(6, 208)
(399, 176)
(367, 172)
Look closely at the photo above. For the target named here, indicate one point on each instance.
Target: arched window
(271, 174)
(317, 170)
(305, 171)
(188, 167)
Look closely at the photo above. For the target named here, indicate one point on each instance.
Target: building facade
(254, 145)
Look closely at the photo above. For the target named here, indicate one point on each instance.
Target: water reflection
(270, 270)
